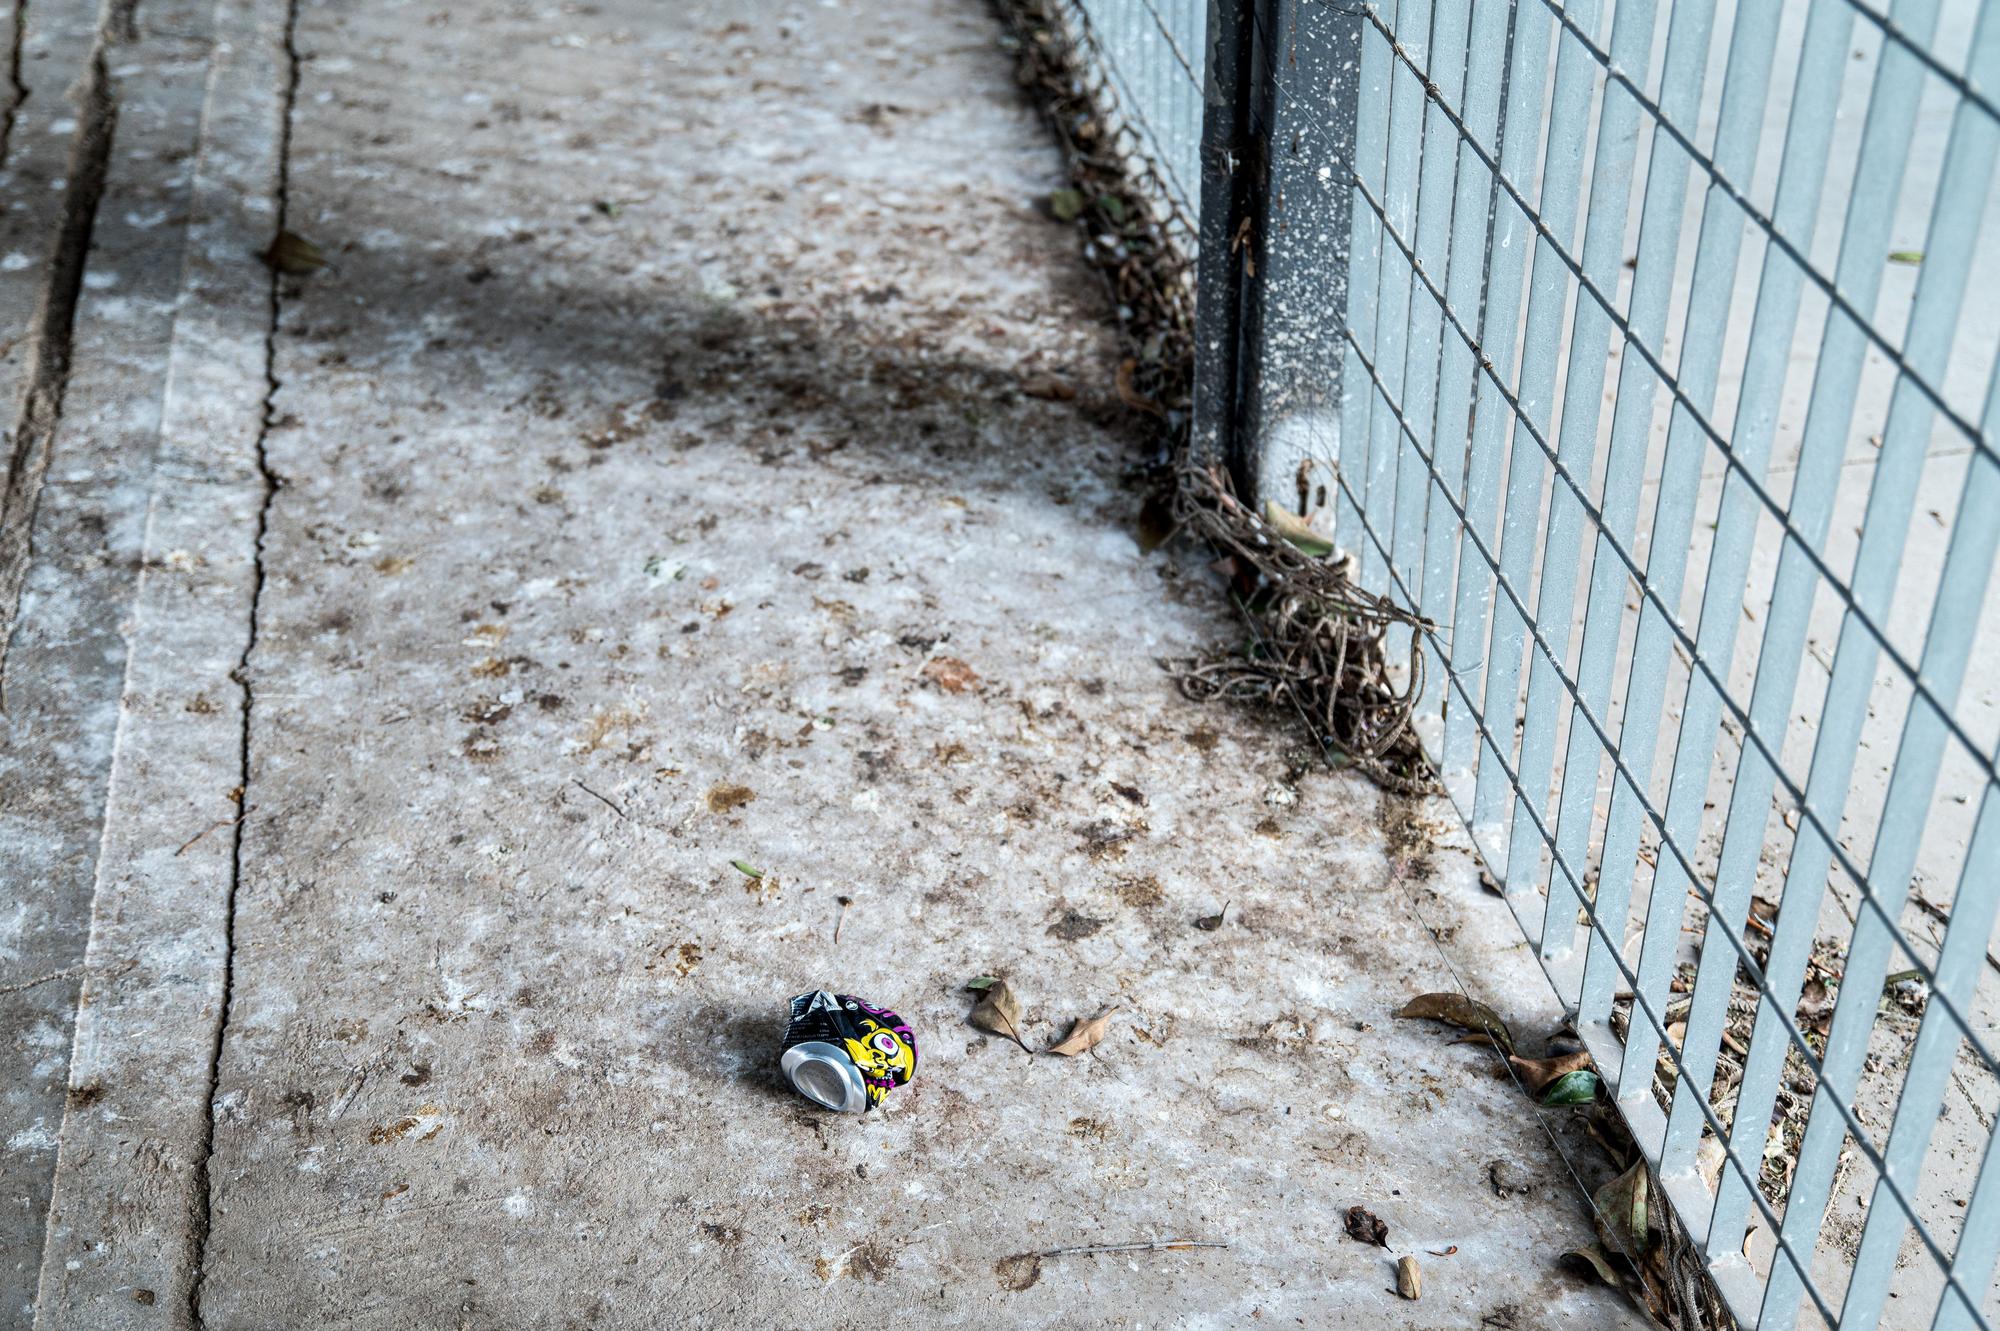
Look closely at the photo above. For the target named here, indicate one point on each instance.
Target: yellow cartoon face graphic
(885, 1058)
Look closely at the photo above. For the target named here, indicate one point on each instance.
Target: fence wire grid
(1635, 343)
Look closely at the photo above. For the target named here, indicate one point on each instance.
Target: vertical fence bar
(1511, 232)
(1438, 160)
(1978, 1246)
(1365, 248)
(1746, 86)
(1954, 233)
(1688, 41)
(1576, 448)
(1808, 140)
(1393, 282)
(1464, 284)
(1975, 538)
(1863, 242)
(1548, 294)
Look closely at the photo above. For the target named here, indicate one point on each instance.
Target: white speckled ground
(656, 427)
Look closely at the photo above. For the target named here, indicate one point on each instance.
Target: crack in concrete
(202, 1201)
(47, 375)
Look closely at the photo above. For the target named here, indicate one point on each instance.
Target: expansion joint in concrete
(202, 1201)
(49, 358)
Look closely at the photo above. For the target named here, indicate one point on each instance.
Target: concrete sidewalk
(405, 663)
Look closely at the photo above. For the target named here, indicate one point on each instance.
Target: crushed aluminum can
(846, 1054)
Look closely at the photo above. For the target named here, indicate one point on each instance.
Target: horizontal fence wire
(1518, 390)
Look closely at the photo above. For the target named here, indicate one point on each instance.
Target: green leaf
(747, 870)
(979, 984)
(1113, 206)
(1911, 257)
(1066, 205)
(1572, 1088)
(1295, 529)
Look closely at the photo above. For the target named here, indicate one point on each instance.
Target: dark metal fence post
(1232, 189)
(1274, 230)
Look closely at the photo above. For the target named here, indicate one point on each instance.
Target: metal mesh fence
(1639, 345)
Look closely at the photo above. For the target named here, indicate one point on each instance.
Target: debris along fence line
(1627, 344)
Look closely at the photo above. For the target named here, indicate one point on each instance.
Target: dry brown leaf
(1084, 1036)
(1128, 391)
(1364, 1226)
(999, 1011)
(1156, 521)
(1539, 1072)
(1048, 387)
(1409, 1278)
(1621, 1213)
(1708, 1160)
(1595, 1260)
(294, 255)
(1458, 1010)
(950, 674)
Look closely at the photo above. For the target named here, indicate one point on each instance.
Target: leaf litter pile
(1640, 1249)
(1318, 645)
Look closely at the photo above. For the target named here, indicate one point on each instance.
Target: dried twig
(218, 823)
(1321, 642)
(1161, 1245)
(600, 799)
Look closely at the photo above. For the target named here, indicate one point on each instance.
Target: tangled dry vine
(1318, 644)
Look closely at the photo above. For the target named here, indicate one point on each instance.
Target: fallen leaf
(1296, 530)
(1364, 1226)
(1409, 1278)
(1019, 1271)
(950, 674)
(979, 984)
(1128, 389)
(1572, 1088)
(1048, 387)
(726, 796)
(1452, 1251)
(1595, 1260)
(747, 870)
(1213, 922)
(294, 255)
(1066, 205)
(1156, 521)
(1621, 1213)
(1708, 1160)
(1084, 1036)
(1539, 1072)
(999, 1011)
(1911, 257)
(1458, 1010)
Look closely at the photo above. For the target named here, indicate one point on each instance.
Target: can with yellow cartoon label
(844, 1053)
